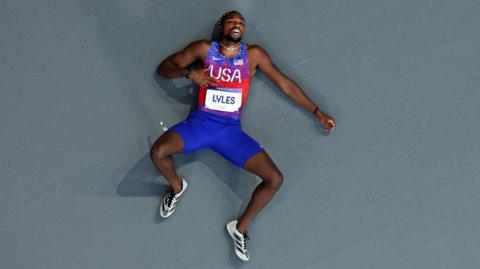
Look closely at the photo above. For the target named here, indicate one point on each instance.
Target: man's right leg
(167, 144)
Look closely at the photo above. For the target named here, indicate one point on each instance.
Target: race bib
(224, 99)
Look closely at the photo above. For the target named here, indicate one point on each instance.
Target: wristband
(315, 111)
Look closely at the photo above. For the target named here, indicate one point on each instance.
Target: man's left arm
(289, 87)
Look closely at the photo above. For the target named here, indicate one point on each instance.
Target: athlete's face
(233, 27)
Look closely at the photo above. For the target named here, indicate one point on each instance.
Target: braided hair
(225, 16)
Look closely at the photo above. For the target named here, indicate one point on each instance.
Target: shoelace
(170, 199)
(244, 243)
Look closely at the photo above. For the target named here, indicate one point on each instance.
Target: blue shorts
(222, 135)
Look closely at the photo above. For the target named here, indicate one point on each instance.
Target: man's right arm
(172, 66)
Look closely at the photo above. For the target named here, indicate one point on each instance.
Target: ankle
(241, 229)
(177, 187)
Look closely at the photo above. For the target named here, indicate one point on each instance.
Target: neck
(228, 43)
(230, 48)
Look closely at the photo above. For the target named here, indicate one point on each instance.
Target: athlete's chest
(229, 70)
(233, 68)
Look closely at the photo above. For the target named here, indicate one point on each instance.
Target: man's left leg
(243, 151)
(263, 166)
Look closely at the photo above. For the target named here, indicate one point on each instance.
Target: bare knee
(274, 180)
(167, 144)
(158, 152)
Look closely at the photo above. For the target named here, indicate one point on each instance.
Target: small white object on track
(164, 127)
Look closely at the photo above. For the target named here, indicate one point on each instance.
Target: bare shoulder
(256, 51)
(198, 47)
(257, 55)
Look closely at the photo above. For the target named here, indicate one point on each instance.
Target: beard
(233, 39)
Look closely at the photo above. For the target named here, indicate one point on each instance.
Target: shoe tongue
(244, 235)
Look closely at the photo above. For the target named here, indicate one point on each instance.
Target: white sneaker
(239, 240)
(170, 200)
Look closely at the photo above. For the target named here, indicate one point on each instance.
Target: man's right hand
(200, 77)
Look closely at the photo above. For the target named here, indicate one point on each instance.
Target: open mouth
(236, 32)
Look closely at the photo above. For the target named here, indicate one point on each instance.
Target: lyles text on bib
(223, 99)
